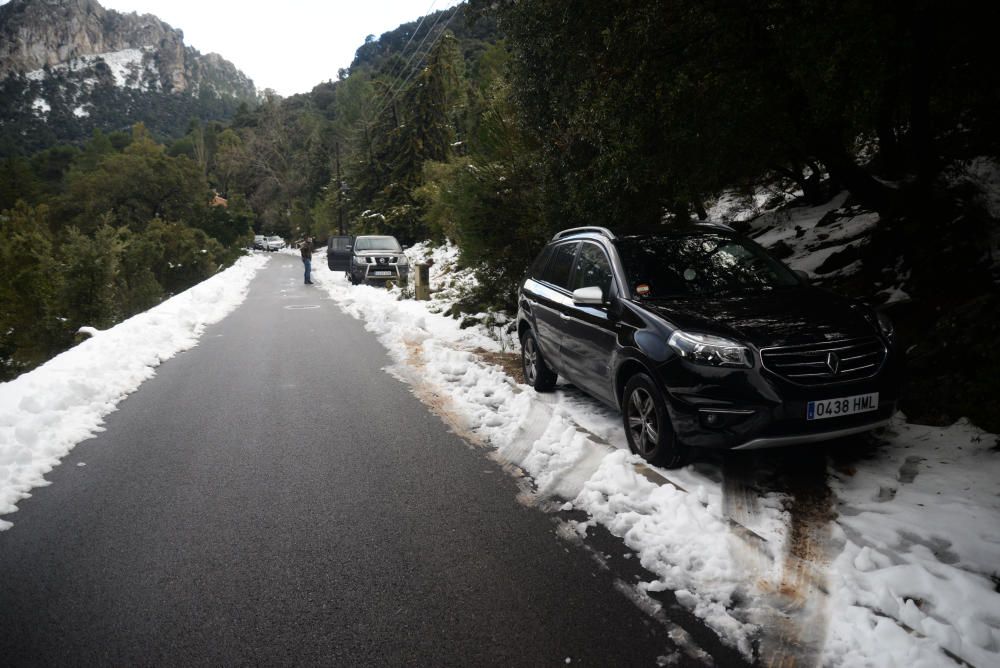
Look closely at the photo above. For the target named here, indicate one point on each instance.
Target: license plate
(830, 408)
(382, 273)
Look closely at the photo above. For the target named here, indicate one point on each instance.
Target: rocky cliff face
(70, 67)
(45, 35)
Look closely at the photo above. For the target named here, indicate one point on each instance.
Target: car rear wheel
(647, 425)
(536, 372)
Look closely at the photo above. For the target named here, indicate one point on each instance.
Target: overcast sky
(289, 45)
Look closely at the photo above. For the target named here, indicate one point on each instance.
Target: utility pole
(340, 194)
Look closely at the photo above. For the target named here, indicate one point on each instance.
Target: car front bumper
(748, 409)
(368, 273)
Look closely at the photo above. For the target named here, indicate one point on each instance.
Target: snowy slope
(129, 67)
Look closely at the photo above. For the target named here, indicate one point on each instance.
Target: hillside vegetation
(90, 236)
(495, 124)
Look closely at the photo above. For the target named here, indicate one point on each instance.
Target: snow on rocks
(127, 66)
(814, 234)
(46, 412)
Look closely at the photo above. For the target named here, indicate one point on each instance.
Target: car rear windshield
(699, 264)
(377, 243)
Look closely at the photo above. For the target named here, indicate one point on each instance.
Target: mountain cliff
(68, 67)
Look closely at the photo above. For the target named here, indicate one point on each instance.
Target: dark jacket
(307, 250)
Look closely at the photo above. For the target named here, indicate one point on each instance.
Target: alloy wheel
(642, 423)
(530, 356)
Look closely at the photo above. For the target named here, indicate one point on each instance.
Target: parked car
(702, 339)
(368, 258)
(259, 242)
(275, 243)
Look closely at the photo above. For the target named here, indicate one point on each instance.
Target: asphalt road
(273, 497)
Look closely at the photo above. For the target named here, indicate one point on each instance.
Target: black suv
(702, 339)
(368, 259)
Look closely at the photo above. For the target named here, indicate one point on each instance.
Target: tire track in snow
(794, 620)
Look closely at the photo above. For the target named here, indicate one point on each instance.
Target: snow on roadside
(46, 412)
(573, 449)
(920, 566)
(917, 533)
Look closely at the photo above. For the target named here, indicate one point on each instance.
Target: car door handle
(564, 316)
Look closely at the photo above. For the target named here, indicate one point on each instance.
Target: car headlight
(401, 260)
(885, 324)
(709, 350)
(357, 259)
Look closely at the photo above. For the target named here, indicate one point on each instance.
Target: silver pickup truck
(368, 259)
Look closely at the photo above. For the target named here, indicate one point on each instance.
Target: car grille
(827, 362)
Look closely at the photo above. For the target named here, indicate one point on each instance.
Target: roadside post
(422, 285)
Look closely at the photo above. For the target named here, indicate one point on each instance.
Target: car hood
(778, 318)
(374, 253)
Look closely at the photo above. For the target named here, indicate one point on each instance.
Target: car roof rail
(576, 230)
(717, 224)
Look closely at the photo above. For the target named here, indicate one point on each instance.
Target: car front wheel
(647, 425)
(536, 372)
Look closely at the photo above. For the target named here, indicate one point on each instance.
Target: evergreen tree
(30, 285)
(90, 266)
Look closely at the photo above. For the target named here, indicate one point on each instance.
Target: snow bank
(921, 558)
(916, 546)
(44, 413)
(573, 448)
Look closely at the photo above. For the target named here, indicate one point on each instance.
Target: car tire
(536, 372)
(647, 425)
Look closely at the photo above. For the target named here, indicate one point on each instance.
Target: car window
(557, 270)
(539, 265)
(592, 268)
(339, 243)
(699, 264)
(377, 243)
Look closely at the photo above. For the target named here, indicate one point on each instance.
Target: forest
(92, 234)
(496, 123)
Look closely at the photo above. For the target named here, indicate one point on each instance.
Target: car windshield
(377, 243)
(274, 239)
(699, 264)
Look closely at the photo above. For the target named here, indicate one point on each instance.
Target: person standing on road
(307, 254)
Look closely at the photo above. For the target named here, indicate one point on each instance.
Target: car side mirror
(591, 295)
(804, 275)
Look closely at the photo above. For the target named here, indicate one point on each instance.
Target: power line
(390, 90)
(412, 35)
(420, 65)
